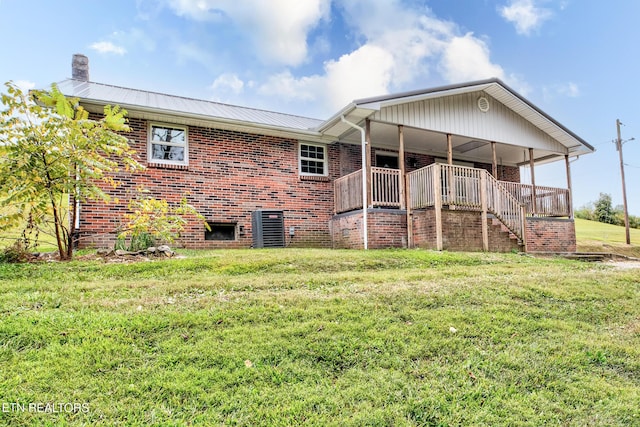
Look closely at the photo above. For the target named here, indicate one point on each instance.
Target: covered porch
(443, 186)
(388, 190)
(454, 149)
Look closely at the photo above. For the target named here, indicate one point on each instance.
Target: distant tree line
(602, 210)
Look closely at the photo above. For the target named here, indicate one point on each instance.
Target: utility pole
(624, 187)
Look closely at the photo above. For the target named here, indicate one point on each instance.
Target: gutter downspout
(365, 237)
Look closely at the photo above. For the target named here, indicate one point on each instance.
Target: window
(313, 159)
(168, 144)
(220, 231)
(387, 160)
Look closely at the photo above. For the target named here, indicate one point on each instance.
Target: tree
(603, 209)
(53, 156)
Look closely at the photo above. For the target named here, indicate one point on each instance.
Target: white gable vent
(483, 104)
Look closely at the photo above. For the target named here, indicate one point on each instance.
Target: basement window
(220, 231)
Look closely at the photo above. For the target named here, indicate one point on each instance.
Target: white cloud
(135, 38)
(228, 82)
(287, 87)
(365, 72)
(277, 28)
(190, 51)
(525, 15)
(467, 58)
(108, 47)
(400, 48)
(569, 90)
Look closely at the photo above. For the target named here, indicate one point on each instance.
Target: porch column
(367, 165)
(437, 208)
(483, 218)
(534, 200)
(449, 171)
(570, 201)
(494, 164)
(401, 164)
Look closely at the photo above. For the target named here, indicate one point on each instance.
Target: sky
(577, 60)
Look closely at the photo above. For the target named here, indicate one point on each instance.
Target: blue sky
(577, 60)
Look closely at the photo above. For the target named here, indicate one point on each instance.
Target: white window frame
(325, 161)
(151, 143)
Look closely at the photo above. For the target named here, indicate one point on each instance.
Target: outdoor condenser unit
(268, 229)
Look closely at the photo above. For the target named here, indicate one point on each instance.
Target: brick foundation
(461, 231)
(387, 228)
(550, 235)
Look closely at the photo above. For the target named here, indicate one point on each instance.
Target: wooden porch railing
(385, 190)
(469, 188)
(550, 201)
(463, 187)
(504, 206)
(385, 187)
(348, 192)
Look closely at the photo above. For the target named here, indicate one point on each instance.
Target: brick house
(437, 168)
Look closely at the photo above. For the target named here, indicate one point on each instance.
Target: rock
(122, 252)
(104, 252)
(166, 250)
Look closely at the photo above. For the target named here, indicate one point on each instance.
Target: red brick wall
(346, 230)
(424, 228)
(387, 228)
(461, 231)
(550, 235)
(505, 173)
(230, 175)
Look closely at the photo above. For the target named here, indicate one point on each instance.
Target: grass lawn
(314, 337)
(594, 236)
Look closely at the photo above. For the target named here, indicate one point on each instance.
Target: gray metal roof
(135, 98)
(241, 118)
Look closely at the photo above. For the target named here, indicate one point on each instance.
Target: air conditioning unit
(268, 229)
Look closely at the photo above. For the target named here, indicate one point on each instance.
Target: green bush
(18, 252)
(138, 242)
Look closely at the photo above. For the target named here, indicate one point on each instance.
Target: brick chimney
(80, 67)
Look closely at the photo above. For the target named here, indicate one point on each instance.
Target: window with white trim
(168, 144)
(313, 159)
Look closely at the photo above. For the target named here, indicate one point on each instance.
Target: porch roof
(471, 131)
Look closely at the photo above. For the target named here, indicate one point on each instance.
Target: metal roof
(237, 117)
(135, 98)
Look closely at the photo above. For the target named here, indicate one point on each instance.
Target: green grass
(594, 236)
(313, 337)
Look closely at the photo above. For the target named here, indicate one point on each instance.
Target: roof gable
(519, 109)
